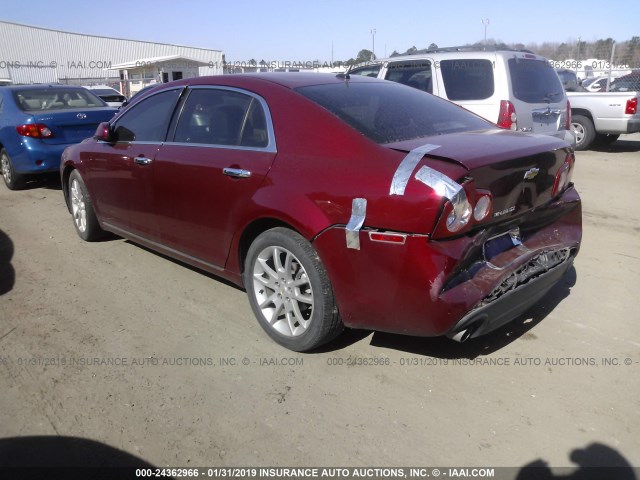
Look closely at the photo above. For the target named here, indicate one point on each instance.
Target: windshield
(390, 112)
(48, 98)
(535, 81)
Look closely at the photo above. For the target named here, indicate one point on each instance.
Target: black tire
(86, 224)
(299, 325)
(12, 179)
(583, 129)
(606, 139)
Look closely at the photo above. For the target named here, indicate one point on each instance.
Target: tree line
(626, 53)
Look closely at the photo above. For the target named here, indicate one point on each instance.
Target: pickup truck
(601, 117)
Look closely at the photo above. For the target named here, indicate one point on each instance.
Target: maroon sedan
(335, 202)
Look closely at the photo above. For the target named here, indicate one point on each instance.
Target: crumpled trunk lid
(518, 169)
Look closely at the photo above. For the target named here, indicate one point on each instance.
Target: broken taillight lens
(564, 174)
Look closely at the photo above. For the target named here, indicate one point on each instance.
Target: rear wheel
(84, 216)
(13, 180)
(289, 291)
(583, 129)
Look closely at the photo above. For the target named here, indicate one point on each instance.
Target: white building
(40, 55)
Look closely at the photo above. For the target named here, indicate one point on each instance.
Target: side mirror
(104, 132)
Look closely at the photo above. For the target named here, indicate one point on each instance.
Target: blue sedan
(37, 122)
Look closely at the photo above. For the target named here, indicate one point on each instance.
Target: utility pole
(485, 22)
(373, 44)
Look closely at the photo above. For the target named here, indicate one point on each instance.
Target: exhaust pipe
(464, 335)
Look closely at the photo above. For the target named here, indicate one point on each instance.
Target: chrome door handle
(236, 172)
(142, 160)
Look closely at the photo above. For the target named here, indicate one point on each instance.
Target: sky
(329, 30)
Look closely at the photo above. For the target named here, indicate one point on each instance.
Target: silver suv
(515, 89)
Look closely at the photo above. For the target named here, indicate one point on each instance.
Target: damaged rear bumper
(462, 287)
(515, 295)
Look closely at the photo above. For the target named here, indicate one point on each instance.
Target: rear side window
(535, 81)
(629, 83)
(222, 117)
(467, 79)
(148, 120)
(415, 73)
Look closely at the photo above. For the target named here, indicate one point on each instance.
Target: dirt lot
(113, 343)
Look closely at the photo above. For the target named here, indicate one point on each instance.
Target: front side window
(535, 81)
(35, 99)
(148, 120)
(222, 117)
(467, 79)
(414, 73)
(386, 112)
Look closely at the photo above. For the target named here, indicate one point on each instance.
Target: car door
(120, 176)
(222, 148)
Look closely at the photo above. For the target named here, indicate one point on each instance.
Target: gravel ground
(111, 346)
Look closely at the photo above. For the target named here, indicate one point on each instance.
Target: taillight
(507, 117)
(567, 122)
(35, 130)
(563, 177)
(484, 206)
(465, 209)
(632, 106)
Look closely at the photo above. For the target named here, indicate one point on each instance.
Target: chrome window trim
(271, 143)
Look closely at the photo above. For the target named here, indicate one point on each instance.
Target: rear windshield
(535, 81)
(55, 99)
(389, 112)
(467, 79)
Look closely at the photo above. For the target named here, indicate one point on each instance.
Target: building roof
(180, 60)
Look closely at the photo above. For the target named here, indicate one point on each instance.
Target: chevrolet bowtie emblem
(531, 173)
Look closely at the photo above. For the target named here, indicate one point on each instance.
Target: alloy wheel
(579, 132)
(78, 206)
(283, 291)
(6, 168)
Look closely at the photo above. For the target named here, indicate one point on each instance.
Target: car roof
(41, 86)
(98, 87)
(286, 79)
(453, 54)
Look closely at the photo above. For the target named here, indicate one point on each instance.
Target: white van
(514, 89)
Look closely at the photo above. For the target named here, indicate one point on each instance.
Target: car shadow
(212, 276)
(621, 146)
(47, 181)
(596, 461)
(58, 457)
(7, 272)
(442, 347)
